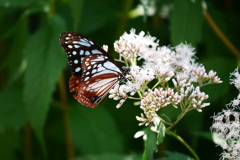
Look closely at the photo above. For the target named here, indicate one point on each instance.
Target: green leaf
(206, 135)
(176, 156)
(149, 144)
(76, 8)
(109, 156)
(161, 129)
(186, 22)
(94, 130)
(45, 62)
(103, 14)
(10, 144)
(14, 3)
(14, 62)
(223, 66)
(12, 113)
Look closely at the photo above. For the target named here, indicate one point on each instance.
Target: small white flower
(236, 80)
(132, 45)
(227, 129)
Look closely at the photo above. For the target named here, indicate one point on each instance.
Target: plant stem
(165, 122)
(135, 98)
(52, 8)
(184, 143)
(139, 93)
(156, 85)
(184, 111)
(65, 111)
(27, 142)
(220, 34)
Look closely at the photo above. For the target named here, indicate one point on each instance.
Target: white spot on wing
(76, 46)
(101, 69)
(110, 65)
(75, 61)
(85, 39)
(84, 44)
(91, 42)
(95, 51)
(81, 52)
(69, 46)
(94, 71)
(77, 69)
(87, 53)
(86, 78)
(99, 58)
(74, 52)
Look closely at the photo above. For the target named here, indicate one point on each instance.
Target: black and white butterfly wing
(94, 72)
(77, 47)
(99, 75)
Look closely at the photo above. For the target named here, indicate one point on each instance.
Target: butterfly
(94, 71)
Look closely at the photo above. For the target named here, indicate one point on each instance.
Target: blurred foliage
(33, 121)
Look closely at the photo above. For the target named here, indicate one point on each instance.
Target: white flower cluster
(155, 100)
(226, 125)
(202, 76)
(133, 45)
(236, 79)
(160, 66)
(195, 97)
(139, 78)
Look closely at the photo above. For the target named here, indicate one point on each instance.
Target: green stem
(156, 85)
(28, 142)
(135, 98)
(52, 8)
(184, 143)
(66, 119)
(184, 111)
(164, 121)
(139, 93)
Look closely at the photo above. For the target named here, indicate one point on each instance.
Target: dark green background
(31, 61)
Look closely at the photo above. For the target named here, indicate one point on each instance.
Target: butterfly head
(122, 77)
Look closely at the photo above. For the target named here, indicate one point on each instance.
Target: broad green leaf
(45, 62)
(186, 21)
(102, 15)
(13, 63)
(161, 129)
(176, 156)
(206, 135)
(76, 9)
(110, 156)
(223, 67)
(149, 144)
(14, 3)
(94, 130)
(195, 125)
(12, 113)
(10, 144)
